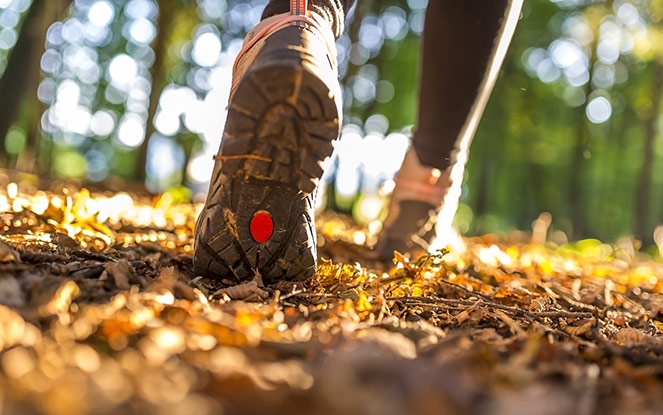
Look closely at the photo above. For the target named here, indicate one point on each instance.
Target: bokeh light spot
(131, 132)
(122, 70)
(101, 13)
(102, 123)
(206, 49)
(142, 31)
(599, 110)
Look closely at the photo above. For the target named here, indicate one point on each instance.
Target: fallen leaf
(121, 271)
(8, 254)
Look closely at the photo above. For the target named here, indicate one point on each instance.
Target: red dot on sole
(262, 226)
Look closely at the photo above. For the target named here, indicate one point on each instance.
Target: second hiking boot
(413, 208)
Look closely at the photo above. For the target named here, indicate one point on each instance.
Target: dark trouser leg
(463, 49)
(333, 11)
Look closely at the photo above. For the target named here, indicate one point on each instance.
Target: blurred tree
(644, 182)
(585, 131)
(166, 20)
(381, 52)
(136, 90)
(18, 84)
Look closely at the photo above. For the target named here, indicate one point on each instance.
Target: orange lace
(298, 7)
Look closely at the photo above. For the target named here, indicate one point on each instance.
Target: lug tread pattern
(281, 123)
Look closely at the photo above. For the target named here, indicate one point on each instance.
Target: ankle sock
(331, 11)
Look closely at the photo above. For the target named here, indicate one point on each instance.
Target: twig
(561, 314)
(465, 290)
(574, 303)
(432, 300)
(515, 310)
(292, 294)
(392, 278)
(243, 156)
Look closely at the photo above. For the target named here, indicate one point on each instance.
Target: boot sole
(281, 122)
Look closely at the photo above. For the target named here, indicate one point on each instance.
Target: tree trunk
(23, 69)
(575, 184)
(14, 82)
(52, 11)
(643, 192)
(157, 73)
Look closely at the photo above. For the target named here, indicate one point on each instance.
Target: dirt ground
(100, 314)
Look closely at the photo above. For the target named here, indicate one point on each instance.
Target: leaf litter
(100, 314)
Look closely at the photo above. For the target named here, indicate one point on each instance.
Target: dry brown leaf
(64, 242)
(8, 254)
(247, 291)
(11, 293)
(579, 328)
(121, 271)
(166, 280)
(631, 337)
(472, 314)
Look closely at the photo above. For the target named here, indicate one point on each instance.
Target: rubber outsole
(282, 120)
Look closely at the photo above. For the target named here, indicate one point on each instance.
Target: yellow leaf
(80, 208)
(546, 267)
(362, 304)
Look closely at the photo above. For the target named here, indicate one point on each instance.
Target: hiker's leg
(463, 47)
(464, 44)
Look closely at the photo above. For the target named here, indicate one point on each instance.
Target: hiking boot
(283, 114)
(413, 209)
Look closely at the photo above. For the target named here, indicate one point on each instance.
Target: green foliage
(569, 128)
(403, 77)
(69, 163)
(537, 150)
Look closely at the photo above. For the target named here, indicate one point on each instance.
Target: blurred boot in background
(463, 47)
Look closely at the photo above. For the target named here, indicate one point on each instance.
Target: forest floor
(100, 314)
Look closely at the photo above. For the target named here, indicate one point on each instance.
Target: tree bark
(157, 73)
(575, 184)
(22, 73)
(643, 192)
(14, 82)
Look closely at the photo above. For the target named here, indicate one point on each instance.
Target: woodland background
(134, 92)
